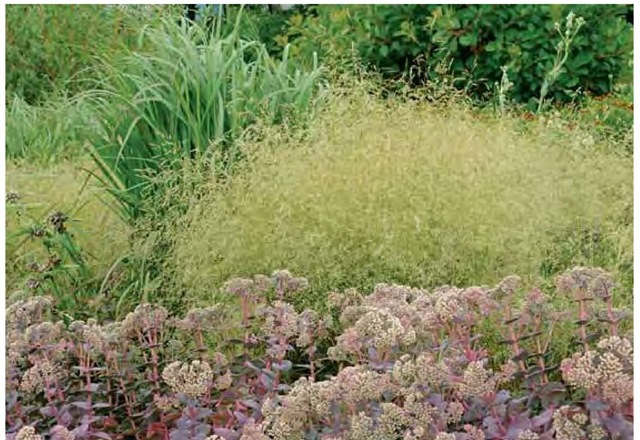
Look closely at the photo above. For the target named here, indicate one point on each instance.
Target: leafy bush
(478, 40)
(189, 96)
(48, 45)
(261, 24)
(400, 191)
(412, 365)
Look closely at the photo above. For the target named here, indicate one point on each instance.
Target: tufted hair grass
(401, 192)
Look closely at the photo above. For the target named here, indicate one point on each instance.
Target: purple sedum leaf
(544, 418)
(226, 434)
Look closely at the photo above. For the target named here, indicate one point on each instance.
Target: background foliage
(49, 45)
(474, 41)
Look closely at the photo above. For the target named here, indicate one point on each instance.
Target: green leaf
(470, 39)
(493, 46)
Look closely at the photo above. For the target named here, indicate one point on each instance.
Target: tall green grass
(53, 131)
(188, 97)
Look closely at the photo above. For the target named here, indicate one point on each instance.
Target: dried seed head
(565, 425)
(358, 385)
(393, 420)
(388, 294)
(12, 197)
(348, 298)
(253, 431)
(281, 320)
(621, 346)
(144, 318)
(474, 433)
(447, 306)
(285, 283)
(508, 371)
(596, 432)
(308, 326)
(28, 433)
(381, 330)
(423, 412)
(509, 285)
(44, 334)
(263, 283)
(581, 281)
(23, 313)
(580, 370)
(57, 220)
(361, 427)
(89, 333)
(618, 390)
(608, 369)
(281, 279)
(536, 302)
(192, 379)
(17, 348)
(240, 287)
(112, 333)
(298, 284)
(207, 319)
(476, 380)
(455, 411)
(220, 360)
(165, 403)
(38, 377)
(480, 297)
(527, 435)
(224, 382)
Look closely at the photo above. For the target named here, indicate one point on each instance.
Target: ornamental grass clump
(403, 363)
(189, 96)
(393, 191)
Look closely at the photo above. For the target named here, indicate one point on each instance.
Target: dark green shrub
(261, 24)
(522, 37)
(477, 40)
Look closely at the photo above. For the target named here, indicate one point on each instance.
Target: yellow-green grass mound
(405, 192)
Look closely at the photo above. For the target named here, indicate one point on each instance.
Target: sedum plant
(403, 363)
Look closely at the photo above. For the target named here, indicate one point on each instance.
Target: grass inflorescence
(406, 192)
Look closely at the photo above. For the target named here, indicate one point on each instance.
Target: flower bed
(400, 363)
